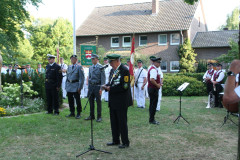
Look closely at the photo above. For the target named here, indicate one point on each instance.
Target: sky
(216, 11)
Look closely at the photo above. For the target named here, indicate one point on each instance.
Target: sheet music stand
(181, 89)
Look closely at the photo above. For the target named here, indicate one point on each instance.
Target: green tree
(13, 15)
(187, 57)
(191, 1)
(232, 54)
(232, 22)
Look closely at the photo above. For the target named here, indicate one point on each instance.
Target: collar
(52, 64)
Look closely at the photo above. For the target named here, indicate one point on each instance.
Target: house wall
(210, 53)
(167, 52)
(195, 27)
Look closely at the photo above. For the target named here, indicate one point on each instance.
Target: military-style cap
(105, 58)
(158, 60)
(210, 64)
(39, 63)
(219, 64)
(94, 56)
(113, 57)
(50, 56)
(73, 56)
(151, 57)
(28, 64)
(139, 61)
(16, 65)
(10, 65)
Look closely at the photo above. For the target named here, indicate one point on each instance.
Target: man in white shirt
(217, 80)
(107, 73)
(237, 79)
(64, 68)
(160, 90)
(4, 69)
(232, 93)
(207, 79)
(140, 77)
(9, 70)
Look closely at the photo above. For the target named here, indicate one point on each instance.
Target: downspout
(181, 35)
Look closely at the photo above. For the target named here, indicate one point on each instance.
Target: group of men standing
(110, 82)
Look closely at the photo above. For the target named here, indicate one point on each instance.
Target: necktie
(72, 67)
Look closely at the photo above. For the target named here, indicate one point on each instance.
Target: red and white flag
(131, 71)
(57, 55)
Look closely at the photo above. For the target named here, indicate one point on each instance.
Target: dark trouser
(71, 96)
(94, 93)
(209, 87)
(219, 89)
(153, 94)
(118, 118)
(52, 100)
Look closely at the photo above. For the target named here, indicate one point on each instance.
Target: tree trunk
(0, 72)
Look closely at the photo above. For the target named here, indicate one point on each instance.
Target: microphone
(103, 67)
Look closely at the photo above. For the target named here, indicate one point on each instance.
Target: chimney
(155, 7)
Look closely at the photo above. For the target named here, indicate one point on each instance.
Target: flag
(132, 61)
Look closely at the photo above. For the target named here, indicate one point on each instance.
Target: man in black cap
(52, 85)
(95, 80)
(120, 98)
(217, 80)
(154, 85)
(207, 79)
(10, 69)
(74, 84)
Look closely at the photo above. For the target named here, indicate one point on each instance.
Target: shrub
(172, 82)
(2, 112)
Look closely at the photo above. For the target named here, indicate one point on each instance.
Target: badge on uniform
(126, 79)
(60, 71)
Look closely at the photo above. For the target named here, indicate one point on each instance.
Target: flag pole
(74, 30)
(131, 67)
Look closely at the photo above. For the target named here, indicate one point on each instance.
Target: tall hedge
(172, 82)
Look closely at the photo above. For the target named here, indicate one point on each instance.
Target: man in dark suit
(52, 85)
(120, 99)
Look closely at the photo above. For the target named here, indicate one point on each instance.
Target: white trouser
(104, 96)
(63, 87)
(140, 95)
(146, 91)
(159, 98)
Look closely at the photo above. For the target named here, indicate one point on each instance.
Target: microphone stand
(91, 146)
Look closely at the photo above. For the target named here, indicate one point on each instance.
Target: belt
(95, 83)
(72, 81)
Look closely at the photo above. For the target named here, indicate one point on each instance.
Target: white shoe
(208, 106)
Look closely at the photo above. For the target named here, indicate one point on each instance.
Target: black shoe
(99, 119)
(89, 118)
(70, 115)
(112, 144)
(78, 116)
(123, 146)
(49, 112)
(56, 114)
(154, 122)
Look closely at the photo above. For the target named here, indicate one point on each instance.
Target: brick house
(212, 44)
(159, 28)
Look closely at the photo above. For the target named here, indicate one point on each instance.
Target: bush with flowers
(2, 111)
(12, 92)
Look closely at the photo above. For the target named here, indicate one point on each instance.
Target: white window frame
(112, 43)
(171, 66)
(123, 41)
(166, 67)
(171, 39)
(140, 40)
(163, 44)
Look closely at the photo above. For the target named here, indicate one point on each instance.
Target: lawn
(47, 137)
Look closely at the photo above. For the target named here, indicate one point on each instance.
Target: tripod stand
(180, 89)
(91, 146)
(227, 117)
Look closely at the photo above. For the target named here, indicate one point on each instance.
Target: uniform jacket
(120, 92)
(96, 76)
(74, 75)
(53, 76)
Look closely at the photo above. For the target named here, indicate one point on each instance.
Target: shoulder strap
(139, 75)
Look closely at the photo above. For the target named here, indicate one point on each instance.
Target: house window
(114, 41)
(164, 66)
(175, 39)
(162, 39)
(126, 41)
(142, 40)
(174, 66)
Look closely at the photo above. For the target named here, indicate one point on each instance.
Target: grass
(47, 137)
